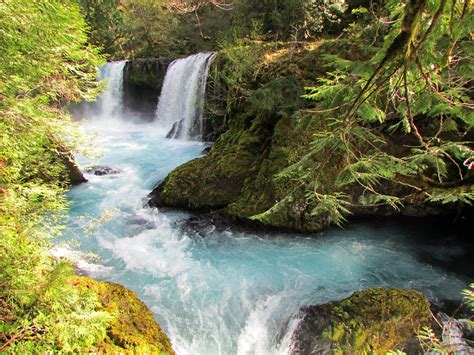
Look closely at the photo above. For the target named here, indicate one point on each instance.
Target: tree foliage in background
(158, 28)
(126, 28)
(45, 62)
(288, 20)
(399, 126)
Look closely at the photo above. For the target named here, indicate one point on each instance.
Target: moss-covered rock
(149, 72)
(262, 166)
(373, 321)
(142, 83)
(254, 97)
(133, 329)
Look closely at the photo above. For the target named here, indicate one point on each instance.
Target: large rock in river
(373, 321)
(263, 166)
(133, 329)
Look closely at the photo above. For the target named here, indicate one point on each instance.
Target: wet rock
(155, 196)
(454, 332)
(148, 72)
(101, 170)
(370, 321)
(206, 149)
(206, 223)
(74, 174)
(142, 84)
(175, 130)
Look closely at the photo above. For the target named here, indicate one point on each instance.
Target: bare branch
(186, 6)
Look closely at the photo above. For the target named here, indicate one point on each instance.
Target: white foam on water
(82, 261)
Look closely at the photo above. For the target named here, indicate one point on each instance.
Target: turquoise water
(227, 291)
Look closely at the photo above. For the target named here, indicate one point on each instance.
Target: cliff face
(146, 72)
(143, 80)
(253, 94)
(264, 128)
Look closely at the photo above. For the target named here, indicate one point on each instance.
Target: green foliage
(431, 342)
(353, 145)
(138, 28)
(45, 62)
(469, 297)
(416, 94)
(335, 205)
(150, 28)
(373, 321)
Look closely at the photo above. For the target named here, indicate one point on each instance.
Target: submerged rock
(133, 329)
(101, 170)
(370, 321)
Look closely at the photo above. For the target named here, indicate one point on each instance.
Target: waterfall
(110, 102)
(181, 104)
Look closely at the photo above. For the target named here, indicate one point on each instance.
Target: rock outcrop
(373, 321)
(146, 72)
(133, 329)
(265, 129)
(101, 170)
(143, 80)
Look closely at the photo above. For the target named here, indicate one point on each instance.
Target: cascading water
(181, 104)
(110, 103)
(227, 291)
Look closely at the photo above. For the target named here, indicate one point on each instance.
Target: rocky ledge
(142, 83)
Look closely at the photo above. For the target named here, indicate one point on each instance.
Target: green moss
(378, 320)
(255, 96)
(146, 72)
(133, 329)
(372, 321)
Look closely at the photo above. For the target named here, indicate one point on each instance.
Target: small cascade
(181, 104)
(110, 102)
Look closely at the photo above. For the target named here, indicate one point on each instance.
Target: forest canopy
(158, 28)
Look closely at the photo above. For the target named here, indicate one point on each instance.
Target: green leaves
(44, 63)
(334, 205)
(369, 113)
(405, 127)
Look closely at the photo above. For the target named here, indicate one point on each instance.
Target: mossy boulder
(254, 105)
(373, 321)
(133, 329)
